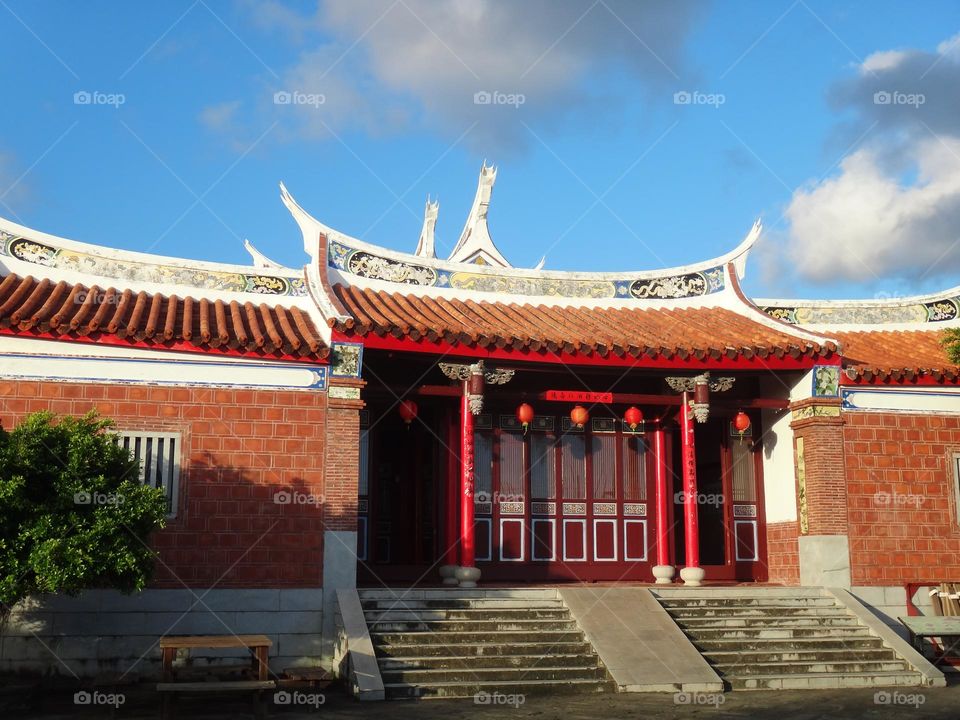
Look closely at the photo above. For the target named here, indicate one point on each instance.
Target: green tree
(73, 513)
(951, 343)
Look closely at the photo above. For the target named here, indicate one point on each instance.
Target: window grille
(159, 457)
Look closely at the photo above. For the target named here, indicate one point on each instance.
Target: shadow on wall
(242, 555)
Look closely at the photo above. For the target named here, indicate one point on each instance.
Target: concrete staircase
(450, 643)
(789, 638)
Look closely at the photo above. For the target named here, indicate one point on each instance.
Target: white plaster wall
(779, 474)
(779, 484)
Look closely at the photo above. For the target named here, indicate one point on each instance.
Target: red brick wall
(825, 481)
(902, 514)
(783, 555)
(240, 448)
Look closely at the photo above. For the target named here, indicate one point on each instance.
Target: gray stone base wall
(890, 603)
(104, 632)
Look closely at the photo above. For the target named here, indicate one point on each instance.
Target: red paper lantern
(741, 423)
(633, 417)
(408, 411)
(525, 415)
(579, 415)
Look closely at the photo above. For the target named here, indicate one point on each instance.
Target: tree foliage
(951, 343)
(73, 512)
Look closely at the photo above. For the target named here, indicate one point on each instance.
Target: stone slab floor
(19, 701)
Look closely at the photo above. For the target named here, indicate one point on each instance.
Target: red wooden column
(467, 573)
(663, 571)
(451, 498)
(692, 573)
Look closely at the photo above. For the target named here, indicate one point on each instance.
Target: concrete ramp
(638, 641)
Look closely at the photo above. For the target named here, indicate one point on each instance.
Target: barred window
(159, 456)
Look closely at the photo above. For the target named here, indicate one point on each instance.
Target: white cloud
(383, 66)
(892, 211)
(884, 60)
(864, 225)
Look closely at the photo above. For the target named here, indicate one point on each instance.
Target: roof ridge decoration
(425, 246)
(262, 261)
(475, 245)
(353, 261)
(32, 247)
(763, 318)
(906, 312)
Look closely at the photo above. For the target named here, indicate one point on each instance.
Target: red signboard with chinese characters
(578, 396)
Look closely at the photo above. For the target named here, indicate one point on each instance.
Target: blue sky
(602, 167)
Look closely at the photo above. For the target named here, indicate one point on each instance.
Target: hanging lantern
(408, 411)
(579, 416)
(633, 417)
(525, 415)
(741, 423)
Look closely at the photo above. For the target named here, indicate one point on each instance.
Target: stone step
(775, 645)
(454, 662)
(822, 682)
(494, 675)
(813, 653)
(407, 594)
(735, 669)
(478, 650)
(479, 626)
(777, 633)
(460, 604)
(468, 614)
(764, 621)
(719, 602)
(739, 594)
(474, 638)
(759, 611)
(496, 694)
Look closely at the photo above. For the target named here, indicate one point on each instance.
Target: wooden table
(259, 646)
(929, 626)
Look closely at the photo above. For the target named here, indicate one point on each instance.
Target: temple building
(382, 418)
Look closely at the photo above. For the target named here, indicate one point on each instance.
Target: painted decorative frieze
(338, 392)
(679, 286)
(809, 411)
(366, 264)
(547, 287)
(940, 310)
(38, 253)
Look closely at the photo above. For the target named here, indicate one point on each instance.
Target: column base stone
(664, 574)
(692, 576)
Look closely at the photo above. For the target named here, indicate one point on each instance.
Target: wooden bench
(945, 627)
(170, 687)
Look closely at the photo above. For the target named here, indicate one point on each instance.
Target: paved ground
(140, 702)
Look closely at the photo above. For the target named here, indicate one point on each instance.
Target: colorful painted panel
(826, 381)
(935, 311)
(346, 359)
(369, 265)
(61, 258)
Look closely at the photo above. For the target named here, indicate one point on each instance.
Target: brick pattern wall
(825, 482)
(783, 555)
(343, 459)
(902, 507)
(240, 448)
